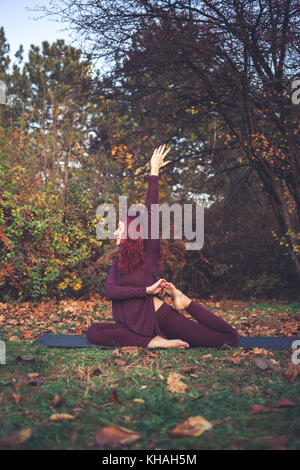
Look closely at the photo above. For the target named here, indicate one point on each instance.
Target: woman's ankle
(187, 300)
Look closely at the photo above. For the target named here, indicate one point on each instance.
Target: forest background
(214, 82)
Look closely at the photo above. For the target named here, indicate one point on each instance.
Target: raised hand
(157, 159)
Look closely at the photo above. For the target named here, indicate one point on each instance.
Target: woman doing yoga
(140, 317)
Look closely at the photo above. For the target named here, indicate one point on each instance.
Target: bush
(265, 284)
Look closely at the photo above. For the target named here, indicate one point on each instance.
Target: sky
(22, 26)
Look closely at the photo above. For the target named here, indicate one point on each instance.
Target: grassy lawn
(131, 388)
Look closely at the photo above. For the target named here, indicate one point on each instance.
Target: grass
(221, 391)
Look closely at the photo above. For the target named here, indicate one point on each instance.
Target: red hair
(131, 252)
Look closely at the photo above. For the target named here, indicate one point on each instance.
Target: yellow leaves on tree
(120, 152)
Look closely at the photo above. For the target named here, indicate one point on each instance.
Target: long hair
(131, 252)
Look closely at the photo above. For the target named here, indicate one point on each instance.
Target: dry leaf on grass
(120, 362)
(175, 384)
(234, 360)
(37, 381)
(263, 363)
(14, 338)
(285, 402)
(113, 395)
(192, 427)
(292, 371)
(130, 349)
(57, 400)
(189, 368)
(260, 351)
(61, 417)
(26, 359)
(115, 436)
(260, 408)
(16, 397)
(14, 440)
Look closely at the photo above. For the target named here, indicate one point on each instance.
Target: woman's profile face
(119, 232)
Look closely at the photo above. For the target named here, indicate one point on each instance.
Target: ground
(53, 398)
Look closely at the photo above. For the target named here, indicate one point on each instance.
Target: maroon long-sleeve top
(132, 308)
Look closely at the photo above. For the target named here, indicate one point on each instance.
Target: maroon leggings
(209, 330)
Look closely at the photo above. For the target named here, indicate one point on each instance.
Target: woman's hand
(156, 287)
(157, 159)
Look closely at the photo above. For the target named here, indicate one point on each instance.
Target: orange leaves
(292, 371)
(120, 152)
(5, 240)
(115, 436)
(175, 383)
(61, 417)
(192, 427)
(277, 407)
(15, 439)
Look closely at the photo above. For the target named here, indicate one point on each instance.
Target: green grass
(219, 390)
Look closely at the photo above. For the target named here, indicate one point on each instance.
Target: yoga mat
(67, 341)
(76, 341)
(267, 342)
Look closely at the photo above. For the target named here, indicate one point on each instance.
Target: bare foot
(180, 300)
(160, 342)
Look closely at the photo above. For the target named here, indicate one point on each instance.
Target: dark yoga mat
(75, 341)
(67, 341)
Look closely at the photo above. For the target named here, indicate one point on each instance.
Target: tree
(230, 60)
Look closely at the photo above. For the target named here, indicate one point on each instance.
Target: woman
(141, 318)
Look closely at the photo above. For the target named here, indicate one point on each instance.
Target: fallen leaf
(14, 338)
(260, 408)
(115, 436)
(234, 360)
(206, 356)
(57, 400)
(26, 334)
(189, 368)
(37, 381)
(61, 417)
(120, 362)
(292, 371)
(16, 397)
(26, 359)
(192, 427)
(130, 349)
(21, 382)
(175, 384)
(285, 402)
(263, 363)
(113, 395)
(14, 440)
(261, 351)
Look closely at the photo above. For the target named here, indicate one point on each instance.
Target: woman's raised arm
(152, 246)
